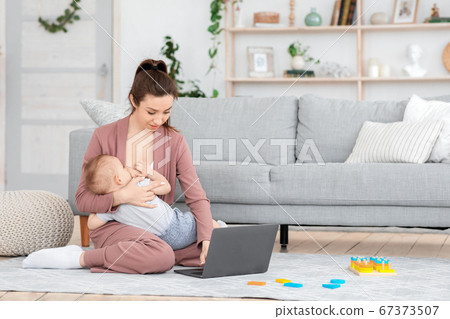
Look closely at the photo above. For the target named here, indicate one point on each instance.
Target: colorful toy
(293, 284)
(337, 281)
(283, 281)
(331, 286)
(371, 266)
(256, 283)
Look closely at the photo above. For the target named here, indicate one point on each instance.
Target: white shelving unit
(359, 29)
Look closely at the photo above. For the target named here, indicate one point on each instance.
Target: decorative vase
(313, 19)
(238, 16)
(297, 62)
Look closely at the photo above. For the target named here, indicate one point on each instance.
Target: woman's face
(153, 111)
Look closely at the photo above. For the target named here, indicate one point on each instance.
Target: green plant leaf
(212, 28)
(67, 18)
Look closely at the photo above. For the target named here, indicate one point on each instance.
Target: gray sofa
(281, 160)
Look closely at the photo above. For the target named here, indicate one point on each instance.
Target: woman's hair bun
(150, 64)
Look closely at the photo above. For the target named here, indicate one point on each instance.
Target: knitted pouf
(32, 220)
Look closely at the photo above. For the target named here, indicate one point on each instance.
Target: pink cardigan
(170, 148)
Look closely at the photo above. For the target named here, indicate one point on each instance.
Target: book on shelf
(298, 74)
(439, 20)
(341, 10)
(335, 14)
(351, 13)
(355, 14)
(344, 12)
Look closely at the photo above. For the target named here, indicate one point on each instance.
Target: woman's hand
(134, 194)
(205, 247)
(133, 172)
(163, 187)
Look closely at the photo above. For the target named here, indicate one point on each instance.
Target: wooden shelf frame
(352, 28)
(349, 79)
(358, 29)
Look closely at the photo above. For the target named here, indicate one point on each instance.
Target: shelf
(332, 80)
(292, 29)
(289, 80)
(407, 79)
(406, 27)
(359, 31)
(384, 27)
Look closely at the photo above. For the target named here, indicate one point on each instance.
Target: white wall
(143, 25)
(2, 94)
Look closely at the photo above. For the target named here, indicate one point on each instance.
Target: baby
(105, 174)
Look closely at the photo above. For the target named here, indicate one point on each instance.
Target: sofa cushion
(419, 110)
(225, 183)
(333, 124)
(397, 142)
(247, 125)
(391, 184)
(104, 112)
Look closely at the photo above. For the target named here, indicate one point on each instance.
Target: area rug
(417, 279)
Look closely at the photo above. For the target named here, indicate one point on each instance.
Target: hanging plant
(217, 6)
(168, 50)
(69, 16)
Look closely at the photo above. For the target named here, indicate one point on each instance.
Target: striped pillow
(399, 142)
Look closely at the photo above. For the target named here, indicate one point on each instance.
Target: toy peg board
(372, 274)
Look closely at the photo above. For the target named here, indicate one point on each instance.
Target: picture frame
(405, 11)
(260, 62)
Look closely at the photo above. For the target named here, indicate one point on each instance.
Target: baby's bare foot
(219, 224)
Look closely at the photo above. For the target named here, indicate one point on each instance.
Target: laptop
(237, 250)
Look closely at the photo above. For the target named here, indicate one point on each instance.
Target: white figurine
(333, 70)
(414, 69)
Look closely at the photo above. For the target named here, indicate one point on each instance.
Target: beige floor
(333, 242)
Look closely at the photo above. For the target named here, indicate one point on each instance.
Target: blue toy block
(331, 286)
(337, 281)
(293, 284)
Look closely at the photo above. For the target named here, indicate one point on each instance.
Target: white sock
(60, 258)
(222, 224)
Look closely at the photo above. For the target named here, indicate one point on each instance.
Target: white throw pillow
(398, 142)
(102, 112)
(421, 110)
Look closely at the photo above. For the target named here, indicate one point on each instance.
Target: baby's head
(104, 174)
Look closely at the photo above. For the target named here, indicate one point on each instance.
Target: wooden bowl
(446, 57)
(266, 17)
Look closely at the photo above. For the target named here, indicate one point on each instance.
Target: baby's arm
(163, 188)
(94, 222)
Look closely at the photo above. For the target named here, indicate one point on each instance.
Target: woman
(127, 249)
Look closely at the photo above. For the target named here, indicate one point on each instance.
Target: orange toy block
(256, 283)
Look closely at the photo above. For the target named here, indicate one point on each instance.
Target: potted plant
(299, 55)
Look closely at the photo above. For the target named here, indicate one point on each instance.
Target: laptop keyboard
(197, 272)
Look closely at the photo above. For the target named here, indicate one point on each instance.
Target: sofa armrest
(78, 143)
